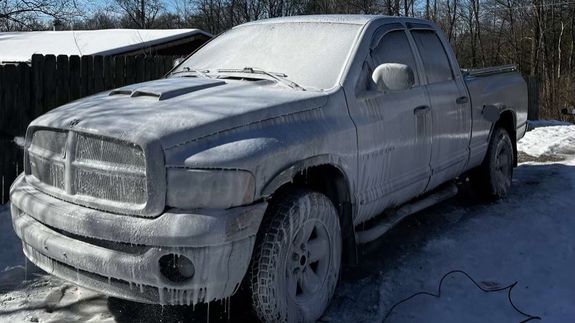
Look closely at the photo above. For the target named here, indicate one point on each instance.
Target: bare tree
(141, 13)
(24, 14)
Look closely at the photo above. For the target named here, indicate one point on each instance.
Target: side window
(394, 48)
(433, 55)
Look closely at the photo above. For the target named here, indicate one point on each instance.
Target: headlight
(217, 189)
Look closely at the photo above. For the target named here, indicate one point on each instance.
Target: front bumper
(119, 255)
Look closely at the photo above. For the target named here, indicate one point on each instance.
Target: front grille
(95, 149)
(48, 171)
(109, 186)
(89, 170)
(47, 160)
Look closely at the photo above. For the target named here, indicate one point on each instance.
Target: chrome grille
(46, 157)
(89, 170)
(110, 186)
(47, 171)
(93, 148)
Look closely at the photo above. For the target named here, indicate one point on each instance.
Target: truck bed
(500, 86)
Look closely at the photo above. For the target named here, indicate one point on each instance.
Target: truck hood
(177, 110)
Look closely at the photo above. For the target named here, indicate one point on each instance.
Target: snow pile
(548, 141)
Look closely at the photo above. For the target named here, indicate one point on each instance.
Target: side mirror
(393, 77)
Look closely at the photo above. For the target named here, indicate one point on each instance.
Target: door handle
(462, 100)
(421, 109)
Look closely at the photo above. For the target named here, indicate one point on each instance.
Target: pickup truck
(261, 161)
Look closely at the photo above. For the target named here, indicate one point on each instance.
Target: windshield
(309, 54)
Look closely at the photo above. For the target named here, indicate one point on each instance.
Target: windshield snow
(309, 54)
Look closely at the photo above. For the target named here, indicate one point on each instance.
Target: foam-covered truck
(262, 161)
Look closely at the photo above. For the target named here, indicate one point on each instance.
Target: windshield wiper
(280, 77)
(202, 73)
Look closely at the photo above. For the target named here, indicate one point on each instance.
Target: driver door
(393, 129)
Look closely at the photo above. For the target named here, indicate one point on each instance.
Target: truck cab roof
(337, 19)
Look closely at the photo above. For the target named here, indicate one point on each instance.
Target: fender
(346, 205)
(286, 176)
(490, 111)
(493, 112)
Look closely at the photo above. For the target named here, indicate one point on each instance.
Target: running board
(390, 221)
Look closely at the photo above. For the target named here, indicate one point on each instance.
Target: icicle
(229, 307)
(25, 258)
(162, 296)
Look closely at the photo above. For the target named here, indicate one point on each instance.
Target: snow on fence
(29, 90)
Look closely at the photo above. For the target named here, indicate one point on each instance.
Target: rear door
(393, 128)
(450, 107)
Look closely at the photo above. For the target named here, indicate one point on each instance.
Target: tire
(493, 177)
(297, 258)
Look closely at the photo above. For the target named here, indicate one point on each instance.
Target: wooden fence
(29, 90)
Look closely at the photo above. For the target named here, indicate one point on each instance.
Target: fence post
(140, 67)
(98, 74)
(533, 94)
(75, 77)
(9, 88)
(130, 70)
(25, 107)
(62, 77)
(49, 80)
(87, 70)
(108, 72)
(37, 84)
(3, 108)
(119, 73)
(146, 67)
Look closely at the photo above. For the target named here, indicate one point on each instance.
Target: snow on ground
(12, 260)
(527, 238)
(549, 141)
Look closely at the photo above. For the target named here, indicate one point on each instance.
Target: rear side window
(394, 48)
(435, 60)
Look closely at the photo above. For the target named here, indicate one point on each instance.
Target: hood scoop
(166, 88)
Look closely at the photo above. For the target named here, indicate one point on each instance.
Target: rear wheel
(297, 258)
(493, 177)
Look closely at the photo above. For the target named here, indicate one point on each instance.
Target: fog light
(176, 268)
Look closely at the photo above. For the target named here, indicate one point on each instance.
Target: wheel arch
(508, 120)
(323, 174)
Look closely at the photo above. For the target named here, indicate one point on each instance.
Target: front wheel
(297, 258)
(493, 177)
